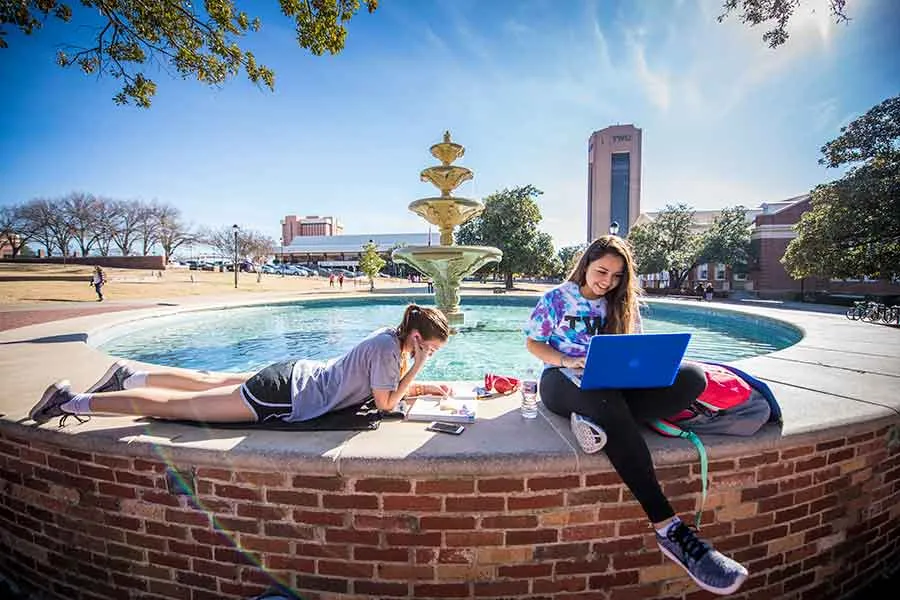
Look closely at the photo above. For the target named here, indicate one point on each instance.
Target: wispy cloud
(823, 113)
(517, 28)
(656, 85)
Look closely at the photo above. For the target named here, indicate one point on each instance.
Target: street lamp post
(235, 228)
(614, 228)
(281, 262)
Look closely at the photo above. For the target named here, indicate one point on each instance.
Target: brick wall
(811, 520)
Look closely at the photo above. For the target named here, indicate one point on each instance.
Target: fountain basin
(510, 509)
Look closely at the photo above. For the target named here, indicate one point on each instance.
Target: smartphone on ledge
(451, 428)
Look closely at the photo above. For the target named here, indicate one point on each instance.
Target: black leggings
(620, 413)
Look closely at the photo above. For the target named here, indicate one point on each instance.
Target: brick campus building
(772, 232)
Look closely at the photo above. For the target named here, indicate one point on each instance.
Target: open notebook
(438, 408)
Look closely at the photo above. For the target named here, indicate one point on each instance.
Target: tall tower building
(614, 179)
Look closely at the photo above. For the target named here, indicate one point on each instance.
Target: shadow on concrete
(52, 339)
(71, 300)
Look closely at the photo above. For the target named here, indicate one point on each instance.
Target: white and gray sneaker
(50, 404)
(712, 570)
(590, 436)
(113, 380)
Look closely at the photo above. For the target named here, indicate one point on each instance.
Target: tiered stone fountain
(447, 263)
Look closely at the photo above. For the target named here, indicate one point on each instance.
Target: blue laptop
(642, 360)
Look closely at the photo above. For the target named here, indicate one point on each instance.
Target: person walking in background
(341, 280)
(98, 280)
(331, 280)
(601, 297)
(710, 290)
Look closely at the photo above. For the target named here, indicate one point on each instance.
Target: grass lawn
(54, 283)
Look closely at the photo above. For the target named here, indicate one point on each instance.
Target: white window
(720, 272)
(703, 272)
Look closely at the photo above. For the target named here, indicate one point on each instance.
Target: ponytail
(430, 322)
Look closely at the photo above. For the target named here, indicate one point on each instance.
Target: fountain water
(447, 263)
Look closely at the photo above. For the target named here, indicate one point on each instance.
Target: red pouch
(500, 383)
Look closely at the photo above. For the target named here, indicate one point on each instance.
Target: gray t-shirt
(321, 387)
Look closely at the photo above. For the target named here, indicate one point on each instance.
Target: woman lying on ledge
(297, 390)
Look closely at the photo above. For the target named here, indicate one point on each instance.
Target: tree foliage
(728, 240)
(853, 226)
(370, 262)
(194, 39)
(875, 135)
(667, 244)
(568, 257)
(756, 12)
(509, 222)
(670, 243)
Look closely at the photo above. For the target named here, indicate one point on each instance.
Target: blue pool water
(248, 338)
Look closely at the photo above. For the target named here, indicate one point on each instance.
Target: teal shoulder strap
(704, 463)
(673, 430)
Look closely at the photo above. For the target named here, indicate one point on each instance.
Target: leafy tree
(509, 222)
(671, 244)
(649, 254)
(667, 244)
(756, 12)
(194, 39)
(875, 135)
(545, 261)
(568, 257)
(728, 240)
(370, 263)
(853, 225)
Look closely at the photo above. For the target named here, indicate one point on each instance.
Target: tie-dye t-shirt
(566, 320)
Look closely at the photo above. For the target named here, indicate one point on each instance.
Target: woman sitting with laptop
(601, 297)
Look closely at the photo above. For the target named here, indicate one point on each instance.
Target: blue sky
(521, 83)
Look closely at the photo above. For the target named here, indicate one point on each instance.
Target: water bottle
(529, 394)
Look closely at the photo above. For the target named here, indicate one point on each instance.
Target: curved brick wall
(817, 518)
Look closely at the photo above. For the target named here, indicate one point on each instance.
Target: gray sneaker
(712, 570)
(50, 404)
(113, 380)
(589, 435)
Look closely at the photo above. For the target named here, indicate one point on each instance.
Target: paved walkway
(21, 316)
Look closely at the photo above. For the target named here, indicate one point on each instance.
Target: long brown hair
(430, 322)
(622, 301)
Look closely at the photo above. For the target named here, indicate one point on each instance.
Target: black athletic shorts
(268, 393)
